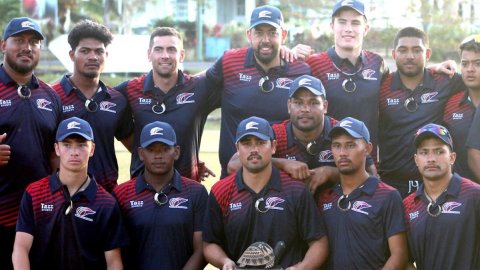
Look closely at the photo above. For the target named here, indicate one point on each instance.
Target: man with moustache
(255, 81)
(410, 97)
(443, 215)
(169, 95)
(84, 95)
(362, 214)
(29, 114)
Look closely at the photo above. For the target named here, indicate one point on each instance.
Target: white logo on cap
(305, 81)
(264, 14)
(156, 131)
(27, 24)
(346, 123)
(73, 124)
(347, 3)
(251, 125)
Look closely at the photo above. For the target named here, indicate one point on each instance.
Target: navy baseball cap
(158, 132)
(312, 84)
(74, 126)
(353, 127)
(266, 14)
(255, 126)
(435, 131)
(352, 4)
(20, 25)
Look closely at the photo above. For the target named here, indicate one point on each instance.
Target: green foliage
(9, 9)
(445, 40)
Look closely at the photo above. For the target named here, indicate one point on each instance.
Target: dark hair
(471, 44)
(89, 29)
(411, 32)
(164, 31)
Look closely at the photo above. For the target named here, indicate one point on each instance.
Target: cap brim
(428, 134)
(64, 136)
(27, 30)
(348, 131)
(256, 134)
(309, 88)
(265, 22)
(154, 140)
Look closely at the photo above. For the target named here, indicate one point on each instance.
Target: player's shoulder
(191, 184)
(236, 52)
(39, 185)
(224, 184)
(290, 184)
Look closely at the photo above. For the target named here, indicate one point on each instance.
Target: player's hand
(204, 171)
(323, 175)
(229, 265)
(448, 67)
(287, 54)
(296, 169)
(302, 51)
(4, 150)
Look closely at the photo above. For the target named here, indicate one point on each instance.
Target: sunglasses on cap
(436, 130)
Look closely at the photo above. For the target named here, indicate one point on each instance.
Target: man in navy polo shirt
(409, 98)
(460, 109)
(262, 204)
(163, 210)
(85, 96)
(169, 95)
(29, 114)
(363, 215)
(443, 215)
(66, 220)
(255, 81)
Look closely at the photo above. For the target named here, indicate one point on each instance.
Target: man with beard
(442, 216)
(255, 81)
(409, 98)
(362, 214)
(84, 95)
(29, 113)
(262, 204)
(169, 95)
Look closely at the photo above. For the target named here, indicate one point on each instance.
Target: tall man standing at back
(29, 113)
(169, 95)
(255, 80)
(85, 96)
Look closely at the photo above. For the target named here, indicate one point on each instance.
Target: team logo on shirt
(325, 156)
(333, 76)
(273, 202)
(413, 215)
(283, 83)
(43, 103)
(235, 206)
(107, 106)
(46, 207)
(177, 203)
(68, 108)
(264, 14)
(368, 74)
(144, 101)
(184, 98)
(5, 103)
(358, 207)
(457, 116)
(393, 101)
(136, 204)
(447, 208)
(82, 212)
(244, 77)
(291, 157)
(429, 97)
(327, 206)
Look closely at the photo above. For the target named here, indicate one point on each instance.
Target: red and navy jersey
(238, 74)
(112, 119)
(187, 106)
(367, 75)
(398, 126)
(30, 125)
(233, 221)
(93, 226)
(473, 139)
(358, 237)
(452, 239)
(458, 117)
(289, 148)
(161, 236)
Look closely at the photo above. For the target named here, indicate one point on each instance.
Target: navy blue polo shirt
(161, 236)
(187, 105)
(289, 147)
(30, 125)
(398, 126)
(452, 239)
(360, 104)
(75, 241)
(473, 139)
(232, 221)
(112, 119)
(457, 117)
(238, 74)
(358, 238)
